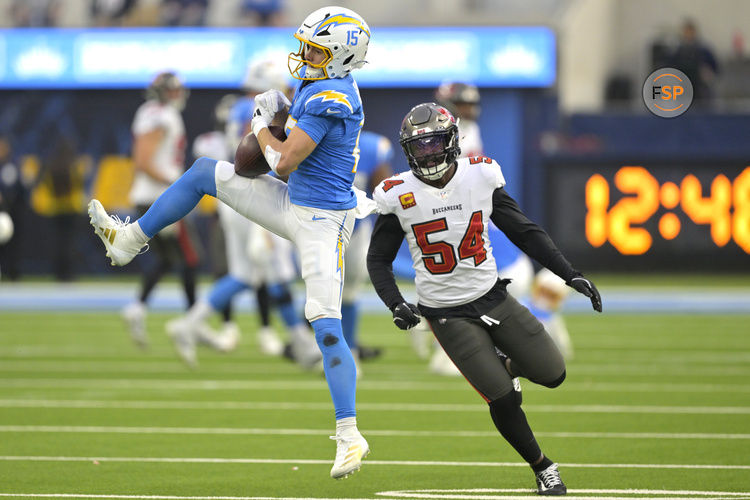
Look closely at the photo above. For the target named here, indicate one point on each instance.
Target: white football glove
(267, 105)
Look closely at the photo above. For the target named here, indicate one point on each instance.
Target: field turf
(654, 406)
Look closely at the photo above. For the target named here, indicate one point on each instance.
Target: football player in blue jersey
(375, 154)
(316, 209)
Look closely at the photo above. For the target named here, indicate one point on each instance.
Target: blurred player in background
(158, 158)
(255, 257)
(269, 284)
(316, 209)
(375, 153)
(548, 292)
(463, 101)
(443, 207)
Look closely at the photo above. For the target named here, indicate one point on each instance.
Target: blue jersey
(330, 112)
(505, 252)
(374, 150)
(241, 114)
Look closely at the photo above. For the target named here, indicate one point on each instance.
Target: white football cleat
(228, 337)
(135, 318)
(269, 342)
(120, 238)
(350, 451)
(184, 335)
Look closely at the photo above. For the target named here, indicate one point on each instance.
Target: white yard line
(411, 463)
(307, 385)
(256, 367)
(323, 432)
(467, 494)
(396, 407)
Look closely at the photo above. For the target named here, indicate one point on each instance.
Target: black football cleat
(548, 482)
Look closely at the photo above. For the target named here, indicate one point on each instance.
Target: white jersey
(169, 157)
(469, 138)
(212, 145)
(446, 229)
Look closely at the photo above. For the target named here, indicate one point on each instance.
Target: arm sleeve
(528, 236)
(315, 126)
(384, 244)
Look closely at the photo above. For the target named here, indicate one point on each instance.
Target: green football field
(654, 406)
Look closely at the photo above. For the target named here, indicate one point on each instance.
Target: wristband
(257, 124)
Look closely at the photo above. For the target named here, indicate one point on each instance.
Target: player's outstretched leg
(124, 240)
(351, 447)
(511, 422)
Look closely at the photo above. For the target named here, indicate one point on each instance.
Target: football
(248, 159)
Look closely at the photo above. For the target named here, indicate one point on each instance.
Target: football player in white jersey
(464, 102)
(158, 158)
(443, 206)
(316, 209)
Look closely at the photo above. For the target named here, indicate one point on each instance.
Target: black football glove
(406, 315)
(586, 287)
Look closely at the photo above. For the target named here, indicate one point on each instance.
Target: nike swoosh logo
(315, 217)
(332, 111)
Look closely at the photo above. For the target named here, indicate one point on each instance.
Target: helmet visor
(422, 146)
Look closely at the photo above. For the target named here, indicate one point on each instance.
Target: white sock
(200, 311)
(138, 233)
(346, 426)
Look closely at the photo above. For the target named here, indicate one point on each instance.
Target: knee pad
(505, 408)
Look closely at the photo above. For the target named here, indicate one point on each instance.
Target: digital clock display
(634, 215)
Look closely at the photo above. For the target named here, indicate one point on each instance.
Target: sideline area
(110, 296)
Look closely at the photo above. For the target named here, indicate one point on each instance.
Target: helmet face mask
(341, 34)
(429, 138)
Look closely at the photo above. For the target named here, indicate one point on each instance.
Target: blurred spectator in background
(35, 13)
(63, 177)
(158, 158)
(184, 12)
(696, 60)
(111, 12)
(13, 201)
(735, 76)
(262, 12)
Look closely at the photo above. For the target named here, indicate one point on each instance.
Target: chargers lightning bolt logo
(332, 95)
(341, 19)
